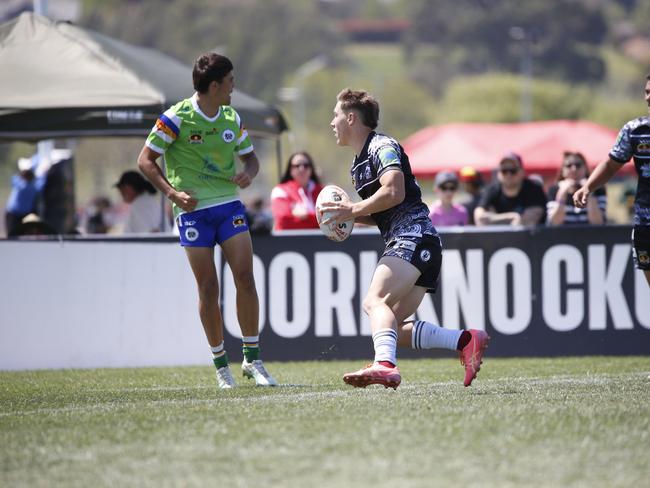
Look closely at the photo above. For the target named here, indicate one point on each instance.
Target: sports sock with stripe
(251, 348)
(426, 335)
(219, 356)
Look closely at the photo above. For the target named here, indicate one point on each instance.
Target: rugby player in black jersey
(410, 264)
(633, 142)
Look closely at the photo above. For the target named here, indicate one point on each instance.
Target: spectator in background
(32, 225)
(571, 176)
(444, 212)
(99, 219)
(472, 184)
(25, 189)
(513, 199)
(293, 200)
(260, 219)
(145, 208)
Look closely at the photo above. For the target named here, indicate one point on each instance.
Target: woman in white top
(145, 207)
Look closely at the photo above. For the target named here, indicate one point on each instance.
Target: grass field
(525, 422)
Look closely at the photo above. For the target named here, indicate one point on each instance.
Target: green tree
(497, 98)
(264, 39)
(497, 34)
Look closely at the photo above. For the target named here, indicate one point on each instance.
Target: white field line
(285, 395)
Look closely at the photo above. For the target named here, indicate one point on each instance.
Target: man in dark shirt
(513, 199)
(633, 142)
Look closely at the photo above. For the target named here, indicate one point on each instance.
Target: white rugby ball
(336, 232)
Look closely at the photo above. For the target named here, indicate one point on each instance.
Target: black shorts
(425, 253)
(641, 246)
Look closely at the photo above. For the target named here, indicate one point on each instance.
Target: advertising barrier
(108, 302)
(538, 292)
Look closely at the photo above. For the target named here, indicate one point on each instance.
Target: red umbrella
(481, 145)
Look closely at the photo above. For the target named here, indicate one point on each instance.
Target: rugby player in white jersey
(200, 137)
(410, 264)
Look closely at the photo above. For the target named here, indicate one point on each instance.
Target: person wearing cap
(32, 225)
(145, 209)
(26, 187)
(444, 212)
(473, 185)
(512, 199)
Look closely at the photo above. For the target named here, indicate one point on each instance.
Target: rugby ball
(336, 232)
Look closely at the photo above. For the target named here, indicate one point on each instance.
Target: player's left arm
(251, 168)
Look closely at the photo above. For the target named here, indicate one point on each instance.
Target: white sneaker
(258, 372)
(224, 378)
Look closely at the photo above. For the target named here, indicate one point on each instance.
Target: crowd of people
(461, 199)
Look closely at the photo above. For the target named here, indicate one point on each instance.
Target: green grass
(525, 422)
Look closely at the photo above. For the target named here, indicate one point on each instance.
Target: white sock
(385, 341)
(429, 336)
(218, 351)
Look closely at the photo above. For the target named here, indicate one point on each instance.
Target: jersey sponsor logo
(195, 139)
(644, 170)
(238, 220)
(191, 234)
(209, 165)
(425, 255)
(410, 245)
(228, 136)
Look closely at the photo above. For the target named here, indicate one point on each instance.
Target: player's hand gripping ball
(335, 231)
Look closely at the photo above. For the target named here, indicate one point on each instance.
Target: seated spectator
(260, 219)
(560, 208)
(444, 212)
(293, 200)
(98, 216)
(513, 199)
(145, 209)
(472, 184)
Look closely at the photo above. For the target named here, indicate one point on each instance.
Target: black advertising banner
(538, 292)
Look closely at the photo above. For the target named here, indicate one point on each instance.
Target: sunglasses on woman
(448, 187)
(573, 164)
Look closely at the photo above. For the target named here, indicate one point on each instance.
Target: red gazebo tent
(481, 145)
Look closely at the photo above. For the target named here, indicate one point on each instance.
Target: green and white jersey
(200, 151)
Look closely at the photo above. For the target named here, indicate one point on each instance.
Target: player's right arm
(150, 168)
(601, 175)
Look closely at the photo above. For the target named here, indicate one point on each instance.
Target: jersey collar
(195, 104)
